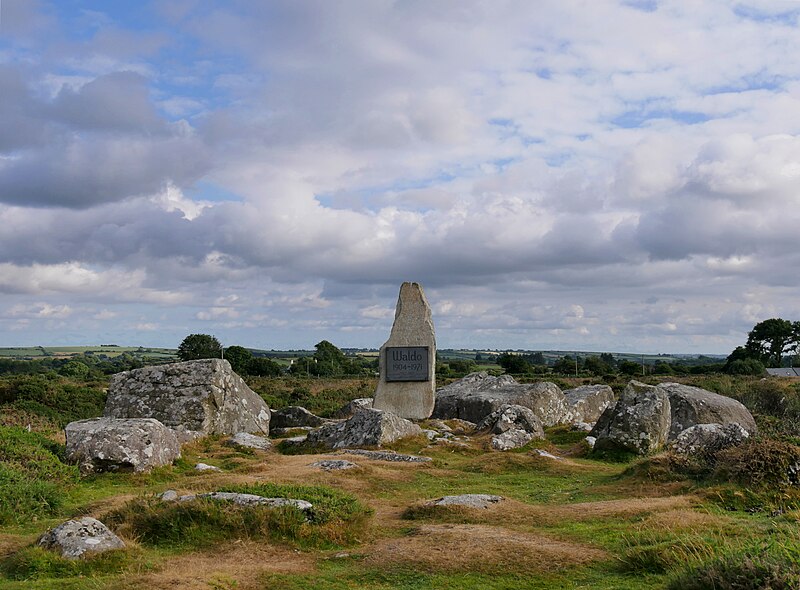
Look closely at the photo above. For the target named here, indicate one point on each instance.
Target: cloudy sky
(571, 174)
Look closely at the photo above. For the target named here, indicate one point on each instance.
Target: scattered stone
(254, 500)
(639, 422)
(479, 394)
(468, 500)
(582, 426)
(294, 417)
(206, 467)
(430, 434)
(439, 426)
(334, 464)
(513, 438)
(124, 445)
(708, 439)
(590, 440)
(407, 389)
(386, 456)
(168, 496)
(368, 428)
(249, 441)
(509, 417)
(352, 407)
(547, 455)
(692, 405)
(203, 396)
(588, 402)
(80, 538)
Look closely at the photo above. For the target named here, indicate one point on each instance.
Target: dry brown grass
(480, 548)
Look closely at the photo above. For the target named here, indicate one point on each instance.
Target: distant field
(33, 352)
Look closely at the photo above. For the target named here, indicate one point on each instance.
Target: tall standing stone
(408, 359)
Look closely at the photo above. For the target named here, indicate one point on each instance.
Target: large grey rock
(639, 422)
(294, 416)
(413, 326)
(587, 403)
(80, 538)
(478, 394)
(203, 396)
(368, 428)
(513, 438)
(704, 440)
(467, 500)
(125, 445)
(692, 405)
(352, 407)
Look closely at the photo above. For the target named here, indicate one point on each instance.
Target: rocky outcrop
(639, 422)
(80, 538)
(352, 407)
(705, 440)
(692, 405)
(203, 396)
(293, 417)
(249, 441)
(478, 394)
(125, 445)
(367, 428)
(512, 426)
(587, 403)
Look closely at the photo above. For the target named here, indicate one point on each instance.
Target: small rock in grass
(77, 539)
(547, 455)
(334, 464)
(249, 441)
(468, 500)
(206, 467)
(168, 496)
(386, 456)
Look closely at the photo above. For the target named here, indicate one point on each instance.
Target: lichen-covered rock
(203, 396)
(639, 422)
(249, 441)
(513, 438)
(588, 402)
(508, 417)
(703, 440)
(692, 405)
(478, 394)
(353, 406)
(248, 500)
(124, 445)
(80, 538)
(368, 428)
(392, 456)
(334, 464)
(294, 417)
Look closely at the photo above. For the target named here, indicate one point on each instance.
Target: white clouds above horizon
(271, 171)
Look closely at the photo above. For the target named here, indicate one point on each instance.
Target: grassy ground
(571, 523)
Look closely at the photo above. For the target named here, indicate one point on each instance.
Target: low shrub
(771, 565)
(53, 397)
(760, 462)
(36, 563)
(658, 552)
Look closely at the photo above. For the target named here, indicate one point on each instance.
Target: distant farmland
(38, 352)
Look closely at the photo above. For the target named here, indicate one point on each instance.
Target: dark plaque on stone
(407, 363)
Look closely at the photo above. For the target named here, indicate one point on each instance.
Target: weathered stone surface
(353, 406)
(478, 394)
(203, 396)
(413, 326)
(248, 500)
(692, 405)
(125, 445)
(206, 467)
(334, 464)
(588, 402)
(639, 422)
(293, 417)
(368, 428)
(249, 441)
(508, 417)
(80, 538)
(387, 456)
(513, 438)
(168, 496)
(467, 500)
(706, 439)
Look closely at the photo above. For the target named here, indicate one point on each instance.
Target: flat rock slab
(367, 428)
(386, 456)
(206, 467)
(468, 500)
(248, 500)
(334, 465)
(249, 441)
(80, 538)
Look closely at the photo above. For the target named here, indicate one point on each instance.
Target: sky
(558, 174)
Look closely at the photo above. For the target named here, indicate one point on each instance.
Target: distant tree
(513, 363)
(566, 365)
(630, 368)
(462, 367)
(663, 368)
(769, 340)
(75, 369)
(535, 358)
(747, 366)
(263, 367)
(199, 346)
(239, 358)
(608, 359)
(596, 366)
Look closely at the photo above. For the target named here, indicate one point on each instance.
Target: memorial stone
(407, 382)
